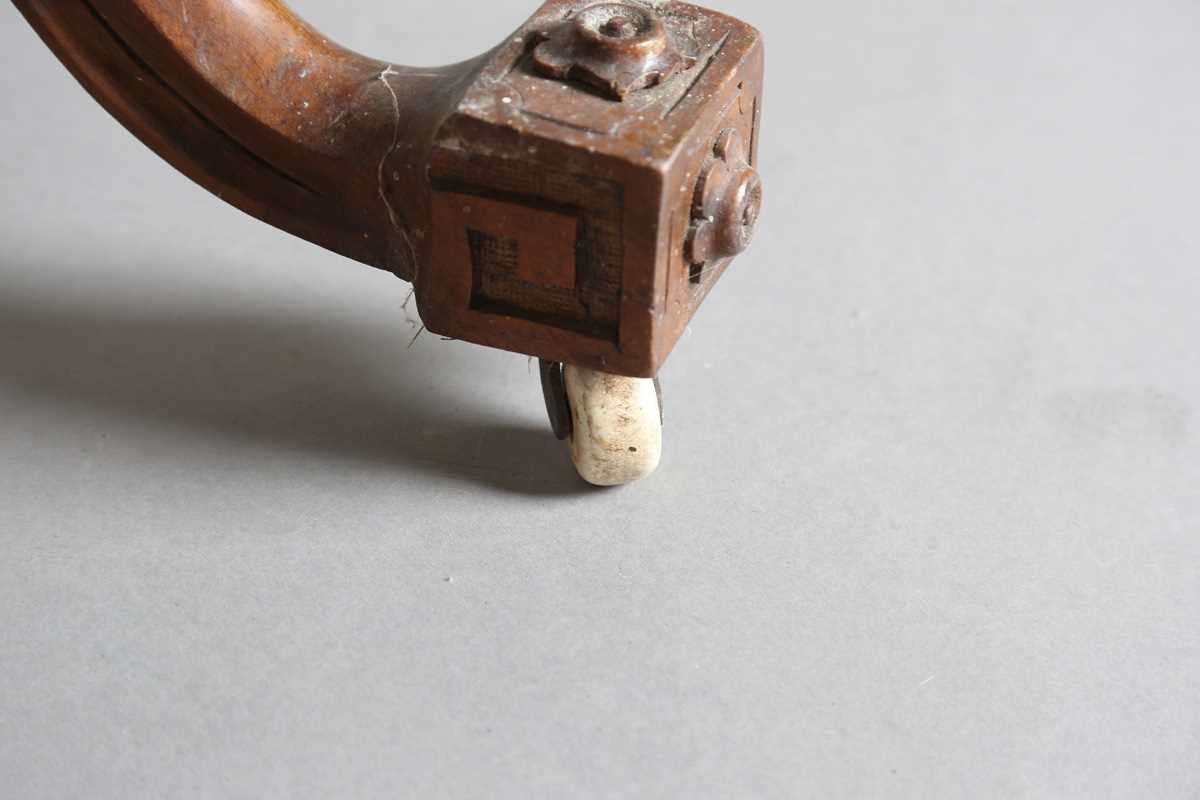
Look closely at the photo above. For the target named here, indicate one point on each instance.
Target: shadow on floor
(329, 387)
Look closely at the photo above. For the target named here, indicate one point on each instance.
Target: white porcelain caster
(613, 424)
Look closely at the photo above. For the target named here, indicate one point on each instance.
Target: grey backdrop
(928, 523)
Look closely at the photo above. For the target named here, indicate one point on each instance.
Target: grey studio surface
(927, 524)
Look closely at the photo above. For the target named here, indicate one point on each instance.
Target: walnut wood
(554, 226)
(250, 102)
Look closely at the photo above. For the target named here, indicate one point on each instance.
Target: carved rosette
(726, 204)
(616, 48)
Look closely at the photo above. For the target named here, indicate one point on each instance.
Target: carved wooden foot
(572, 194)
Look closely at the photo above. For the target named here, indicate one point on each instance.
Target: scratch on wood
(703, 70)
(564, 123)
(392, 214)
(754, 135)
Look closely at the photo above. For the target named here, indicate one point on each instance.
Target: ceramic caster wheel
(612, 424)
